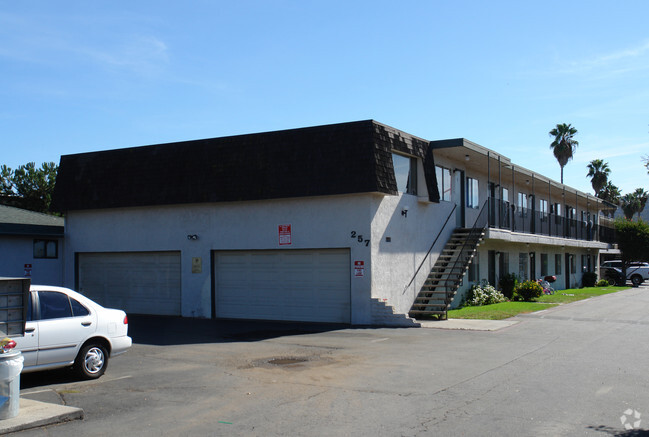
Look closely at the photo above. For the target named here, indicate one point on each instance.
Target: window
(474, 268)
(54, 305)
(522, 202)
(46, 249)
(472, 193)
(78, 309)
(405, 172)
(443, 182)
(544, 264)
(557, 264)
(522, 265)
(543, 208)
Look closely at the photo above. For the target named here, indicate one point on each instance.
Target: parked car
(612, 274)
(637, 272)
(65, 328)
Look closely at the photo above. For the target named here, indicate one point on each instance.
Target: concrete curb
(468, 324)
(33, 414)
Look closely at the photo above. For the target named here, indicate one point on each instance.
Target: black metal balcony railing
(504, 215)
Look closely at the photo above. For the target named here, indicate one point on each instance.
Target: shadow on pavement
(47, 377)
(166, 331)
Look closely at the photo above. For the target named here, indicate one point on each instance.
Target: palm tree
(610, 193)
(633, 203)
(564, 145)
(598, 172)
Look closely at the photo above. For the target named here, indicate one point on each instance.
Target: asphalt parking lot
(572, 370)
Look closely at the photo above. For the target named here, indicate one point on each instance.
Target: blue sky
(78, 76)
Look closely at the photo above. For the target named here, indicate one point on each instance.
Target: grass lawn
(498, 311)
(574, 294)
(505, 310)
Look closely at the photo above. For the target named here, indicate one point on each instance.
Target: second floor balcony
(504, 215)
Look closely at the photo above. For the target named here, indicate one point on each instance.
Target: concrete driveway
(578, 369)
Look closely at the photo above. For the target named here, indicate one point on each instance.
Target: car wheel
(92, 361)
(636, 280)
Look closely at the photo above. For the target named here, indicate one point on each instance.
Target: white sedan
(65, 328)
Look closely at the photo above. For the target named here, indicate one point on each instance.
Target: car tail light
(126, 320)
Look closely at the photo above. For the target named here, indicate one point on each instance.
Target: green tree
(634, 203)
(598, 172)
(564, 145)
(28, 187)
(633, 240)
(610, 193)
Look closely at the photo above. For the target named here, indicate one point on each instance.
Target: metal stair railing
(478, 227)
(429, 250)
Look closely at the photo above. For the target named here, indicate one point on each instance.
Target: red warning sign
(284, 235)
(359, 268)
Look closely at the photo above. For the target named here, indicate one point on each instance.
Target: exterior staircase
(443, 281)
(384, 315)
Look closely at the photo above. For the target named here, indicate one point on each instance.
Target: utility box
(14, 294)
(14, 299)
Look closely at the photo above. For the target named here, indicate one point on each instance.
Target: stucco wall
(395, 262)
(326, 222)
(16, 251)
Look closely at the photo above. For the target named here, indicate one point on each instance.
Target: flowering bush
(527, 291)
(483, 294)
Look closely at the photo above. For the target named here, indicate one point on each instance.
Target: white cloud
(617, 63)
(142, 54)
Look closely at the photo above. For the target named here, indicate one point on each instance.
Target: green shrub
(589, 279)
(483, 294)
(527, 291)
(602, 283)
(507, 284)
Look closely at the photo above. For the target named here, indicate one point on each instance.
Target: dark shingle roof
(323, 160)
(16, 221)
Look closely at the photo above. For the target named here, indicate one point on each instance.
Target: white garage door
(304, 285)
(136, 282)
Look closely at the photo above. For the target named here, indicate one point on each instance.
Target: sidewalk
(33, 414)
(468, 324)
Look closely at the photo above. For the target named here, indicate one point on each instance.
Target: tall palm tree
(633, 203)
(564, 145)
(598, 172)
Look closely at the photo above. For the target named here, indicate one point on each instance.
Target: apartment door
(459, 196)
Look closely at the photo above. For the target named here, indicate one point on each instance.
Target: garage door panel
(137, 282)
(298, 285)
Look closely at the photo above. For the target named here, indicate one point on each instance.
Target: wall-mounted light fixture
(404, 211)
(527, 181)
(467, 157)
(531, 254)
(192, 237)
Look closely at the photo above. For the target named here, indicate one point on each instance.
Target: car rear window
(78, 309)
